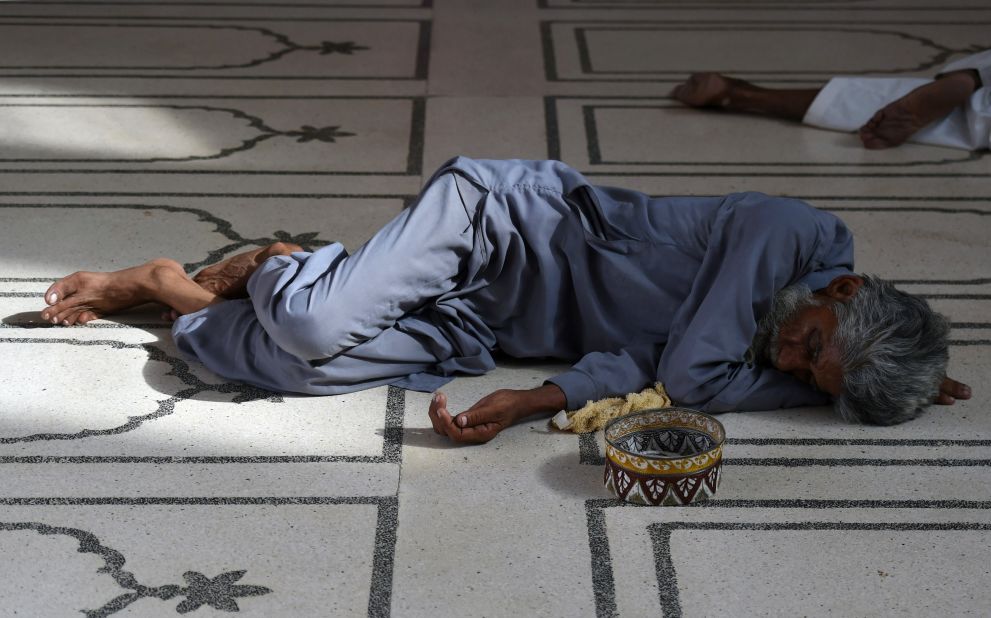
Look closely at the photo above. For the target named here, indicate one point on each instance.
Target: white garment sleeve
(980, 62)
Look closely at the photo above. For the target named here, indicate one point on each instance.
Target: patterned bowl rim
(667, 475)
(653, 411)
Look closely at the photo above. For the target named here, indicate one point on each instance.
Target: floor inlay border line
(667, 581)
(589, 453)
(553, 140)
(414, 152)
(594, 152)
(420, 65)
(585, 58)
(268, 5)
(308, 240)
(722, 5)
(392, 433)
(603, 582)
(552, 71)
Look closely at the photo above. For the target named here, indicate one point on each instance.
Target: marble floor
(134, 483)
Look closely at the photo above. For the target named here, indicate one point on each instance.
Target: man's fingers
(466, 419)
(433, 419)
(438, 410)
(475, 425)
(956, 390)
(445, 424)
(474, 435)
(468, 434)
(480, 413)
(435, 404)
(951, 390)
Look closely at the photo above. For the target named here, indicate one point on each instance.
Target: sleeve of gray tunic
(757, 245)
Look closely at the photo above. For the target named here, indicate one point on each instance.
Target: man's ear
(843, 288)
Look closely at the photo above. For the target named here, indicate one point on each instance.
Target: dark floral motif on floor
(284, 45)
(347, 48)
(219, 592)
(306, 240)
(309, 133)
(262, 132)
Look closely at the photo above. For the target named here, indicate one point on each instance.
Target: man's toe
(72, 318)
(869, 137)
(873, 141)
(64, 314)
(50, 314)
(62, 289)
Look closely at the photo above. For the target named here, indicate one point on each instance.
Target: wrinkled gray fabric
(527, 258)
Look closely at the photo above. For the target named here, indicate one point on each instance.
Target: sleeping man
(742, 302)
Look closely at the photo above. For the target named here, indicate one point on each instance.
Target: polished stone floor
(134, 483)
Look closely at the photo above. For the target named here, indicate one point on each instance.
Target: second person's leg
(736, 95)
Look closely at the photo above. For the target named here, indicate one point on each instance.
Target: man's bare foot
(707, 90)
(891, 126)
(896, 122)
(85, 296)
(229, 278)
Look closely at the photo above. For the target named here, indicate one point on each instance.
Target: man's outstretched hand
(493, 413)
(951, 390)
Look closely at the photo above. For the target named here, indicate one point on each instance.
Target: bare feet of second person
(899, 120)
(706, 90)
(85, 296)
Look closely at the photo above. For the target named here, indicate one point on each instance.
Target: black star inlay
(218, 593)
(324, 134)
(306, 240)
(347, 47)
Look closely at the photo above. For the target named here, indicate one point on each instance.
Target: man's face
(796, 336)
(804, 348)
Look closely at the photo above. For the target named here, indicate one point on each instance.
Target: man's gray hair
(893, 349)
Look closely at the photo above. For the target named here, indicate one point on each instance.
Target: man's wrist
(546, 398)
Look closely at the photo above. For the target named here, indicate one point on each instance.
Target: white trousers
(847, 103)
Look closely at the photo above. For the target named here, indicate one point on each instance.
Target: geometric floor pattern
(134, 483)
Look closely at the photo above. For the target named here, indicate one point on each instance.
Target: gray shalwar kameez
(527, 258)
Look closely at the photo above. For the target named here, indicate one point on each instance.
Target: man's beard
(785, 307)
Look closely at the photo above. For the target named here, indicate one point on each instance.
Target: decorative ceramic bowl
(669, 456)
